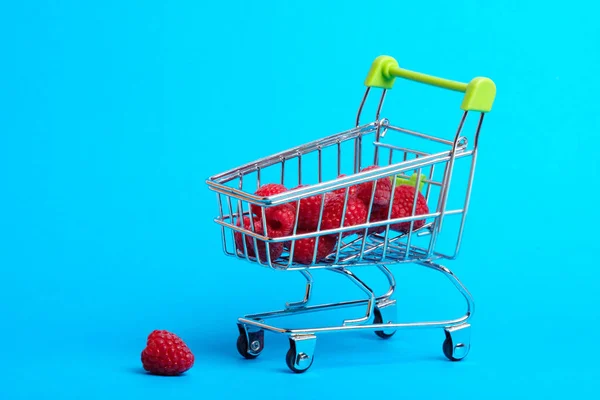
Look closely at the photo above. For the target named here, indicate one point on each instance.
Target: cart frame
(357, 245)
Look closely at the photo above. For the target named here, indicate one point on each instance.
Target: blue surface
(113, 114)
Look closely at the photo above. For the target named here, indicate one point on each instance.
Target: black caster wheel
(453, 349)
(253, 349)
(447, 349)
(378, 319)
(290, 360)
(300, 356)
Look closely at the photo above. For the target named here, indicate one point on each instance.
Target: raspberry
(383, 191)
(304, 248)
(352, 190)
(270, 189)
(280, 220)
(275, 249)
(356, 213)
(404, 196)
(378, 214)
(310, 208)
(166, 354)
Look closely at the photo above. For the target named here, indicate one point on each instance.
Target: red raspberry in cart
(280, 218)
(269, 189)
(383, 190)
(378, 214)
(275, 249)
(356, 213)
(352, 190)
(304, 248)
(310, 208)
(402, 206)
(166, 354)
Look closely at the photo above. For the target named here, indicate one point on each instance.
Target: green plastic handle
(480, 93)
(398, 72)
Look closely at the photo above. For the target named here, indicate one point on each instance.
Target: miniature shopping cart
(336, 164)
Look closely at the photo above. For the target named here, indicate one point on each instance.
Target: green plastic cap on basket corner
(480, 93)
(411, 181)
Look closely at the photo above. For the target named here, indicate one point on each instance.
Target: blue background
(112, 114)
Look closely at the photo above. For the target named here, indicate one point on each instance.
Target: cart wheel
(378, 319)
(290, 359)
(257, 343)
(447, 349)
(300, 356)
(456, 346)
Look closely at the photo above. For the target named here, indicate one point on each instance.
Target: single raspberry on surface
(356, 213)
(304, 248)
(166, 354)
(310, 208)
(404, 196)
(383, 190)
(275, 249)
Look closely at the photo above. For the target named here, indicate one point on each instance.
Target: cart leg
(458, 337)
(458, 284)
(301, 354)
(251, 341)
(392, 281)
(458, 342)
(303, 303)
(385, 311)
(370, 303)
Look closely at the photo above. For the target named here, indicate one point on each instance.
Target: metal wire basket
(402, 230)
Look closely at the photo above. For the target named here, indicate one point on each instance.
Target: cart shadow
(353, 351)
(367, 349)
(141, 371)
(223, 348)
(328, 361)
